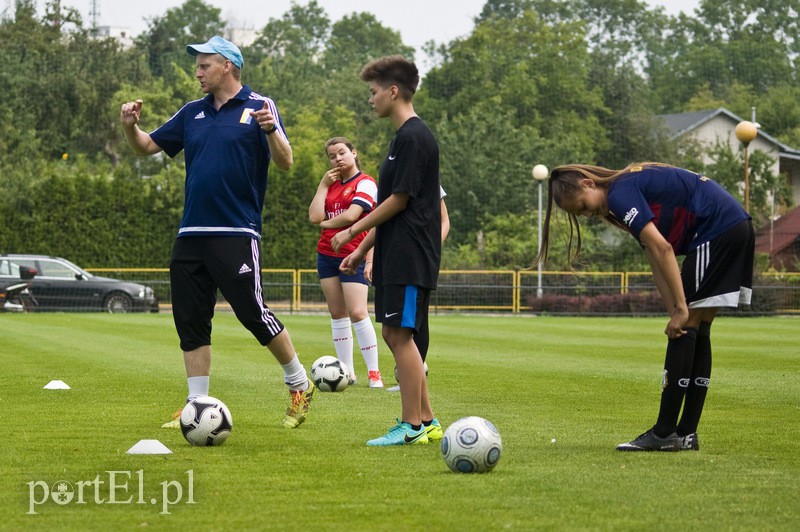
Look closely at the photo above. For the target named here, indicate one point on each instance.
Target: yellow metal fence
(478, 290)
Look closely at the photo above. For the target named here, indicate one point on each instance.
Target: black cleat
(690, 442)
(650, 442)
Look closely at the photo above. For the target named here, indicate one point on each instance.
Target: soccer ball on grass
(471, 445)
(206, 421)
(330, 374)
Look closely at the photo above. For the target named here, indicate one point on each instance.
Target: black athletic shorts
(200, 266)
(403, 306)
(719, 273)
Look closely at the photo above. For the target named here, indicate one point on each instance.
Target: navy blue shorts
(404, 306)
(328, 266)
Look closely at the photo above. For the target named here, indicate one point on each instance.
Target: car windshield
(74, 267)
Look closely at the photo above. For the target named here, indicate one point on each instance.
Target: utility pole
(56, 7)
(94, 15)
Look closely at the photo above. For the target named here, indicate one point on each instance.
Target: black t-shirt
(408, 247)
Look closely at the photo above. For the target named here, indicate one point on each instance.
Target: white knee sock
(198, 387)
(368, 342)
(343, 342)
(294, 375)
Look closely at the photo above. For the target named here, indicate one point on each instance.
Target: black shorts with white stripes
(200, 266)
(719, 273)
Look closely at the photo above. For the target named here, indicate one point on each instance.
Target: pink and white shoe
(375, 379)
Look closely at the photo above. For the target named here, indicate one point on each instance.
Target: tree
(753, 43)
(635, 133)
(514, 93)
(537, 81)
(312, 71)
(55, 61)
(289, 238)
(355, 40)
(779, 109)
(287, 54)
(161, 101)
(166, 37)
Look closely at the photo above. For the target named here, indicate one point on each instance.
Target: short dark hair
(393, 70)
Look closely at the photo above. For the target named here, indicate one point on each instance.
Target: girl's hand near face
(331, 176)
(316, 210)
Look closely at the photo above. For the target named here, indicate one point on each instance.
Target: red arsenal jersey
(361, 190)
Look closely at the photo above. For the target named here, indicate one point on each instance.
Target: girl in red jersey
(344, 196)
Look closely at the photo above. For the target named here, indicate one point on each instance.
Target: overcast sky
(418, 21)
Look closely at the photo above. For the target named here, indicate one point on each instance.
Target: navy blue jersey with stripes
(227, 160)
(688, 209)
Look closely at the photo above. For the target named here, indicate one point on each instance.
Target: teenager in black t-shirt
(405, 229)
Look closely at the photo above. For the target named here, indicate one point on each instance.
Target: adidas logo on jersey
(200, 115)
(245, 269)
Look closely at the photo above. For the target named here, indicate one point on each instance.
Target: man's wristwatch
(273, 130)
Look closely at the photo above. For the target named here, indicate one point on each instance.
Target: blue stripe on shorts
(410, 308)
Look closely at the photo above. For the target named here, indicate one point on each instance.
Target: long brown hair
(342, 140)
(564, 183)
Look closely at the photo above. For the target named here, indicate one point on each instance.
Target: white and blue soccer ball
(330, 374)
(206, 421)
(472, 445)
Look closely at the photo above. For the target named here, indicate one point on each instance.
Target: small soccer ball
(424, 365)
(471, 445)
(206, 421)
(330, 374)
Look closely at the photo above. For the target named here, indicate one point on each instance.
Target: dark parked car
(61, 285)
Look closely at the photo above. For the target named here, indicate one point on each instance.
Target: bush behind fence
(585, 293)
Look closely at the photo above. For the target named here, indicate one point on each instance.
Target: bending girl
(670, 211)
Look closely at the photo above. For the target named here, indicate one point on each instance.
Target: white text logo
(112, 490)
(633, 213)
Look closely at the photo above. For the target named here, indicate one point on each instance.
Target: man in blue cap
(218, 45)
(228, 138)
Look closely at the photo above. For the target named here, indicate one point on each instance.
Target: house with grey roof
(780, 238)
(717, 125)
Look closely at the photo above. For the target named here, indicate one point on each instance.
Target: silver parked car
(60, 285)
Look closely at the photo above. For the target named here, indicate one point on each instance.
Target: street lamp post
(746, 132)
(540, 173)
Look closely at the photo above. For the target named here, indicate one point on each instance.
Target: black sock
(677, 369)
(427, 423)
(698, 387)
(416, 427)
(422, 339)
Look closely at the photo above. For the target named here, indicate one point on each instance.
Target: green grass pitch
(562, 391)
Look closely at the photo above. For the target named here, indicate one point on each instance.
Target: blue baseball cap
(218, 45)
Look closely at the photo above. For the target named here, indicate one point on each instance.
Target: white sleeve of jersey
(368, 188)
